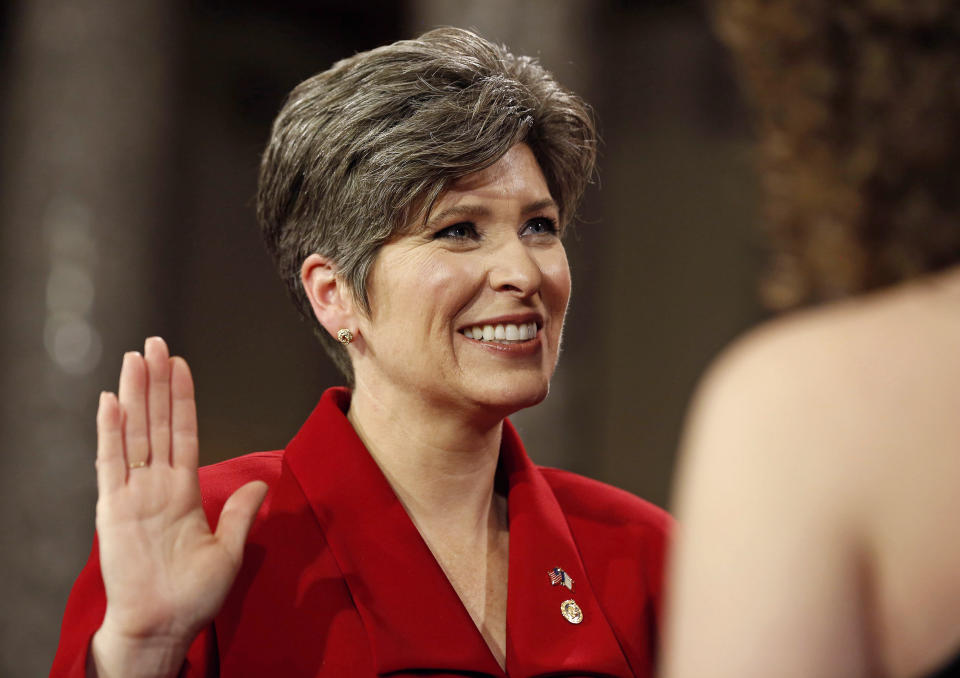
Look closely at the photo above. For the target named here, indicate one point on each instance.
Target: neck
(440, 465)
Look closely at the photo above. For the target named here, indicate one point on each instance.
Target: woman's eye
(539, 225)
(461, 231)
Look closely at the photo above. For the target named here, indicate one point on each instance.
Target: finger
(132, 396)
(237, 517)
(157, 358)
(183, 415)
(111, 469)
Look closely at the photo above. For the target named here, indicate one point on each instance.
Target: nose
(514, 270)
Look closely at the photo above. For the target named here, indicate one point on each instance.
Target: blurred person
(818, 489)
(413, 197)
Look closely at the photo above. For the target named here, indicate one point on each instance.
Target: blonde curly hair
(858, 108)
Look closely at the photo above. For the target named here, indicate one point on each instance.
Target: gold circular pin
(571, 611)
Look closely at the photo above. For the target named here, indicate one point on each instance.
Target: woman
(818, 496)
(413, 198)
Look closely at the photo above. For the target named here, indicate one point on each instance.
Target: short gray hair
(361, 152)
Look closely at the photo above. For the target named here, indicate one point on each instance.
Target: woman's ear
(331, 300)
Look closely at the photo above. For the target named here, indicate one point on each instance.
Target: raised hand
(165, 573)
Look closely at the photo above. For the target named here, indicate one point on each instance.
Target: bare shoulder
(822, 417)
(824, 443)
(808, 447)
(763, 518)
(861, 376)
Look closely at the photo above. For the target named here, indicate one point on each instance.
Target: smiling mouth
(502, 334)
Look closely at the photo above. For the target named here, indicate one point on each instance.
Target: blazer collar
(413, 616)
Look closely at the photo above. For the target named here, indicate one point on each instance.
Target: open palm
(165, 573)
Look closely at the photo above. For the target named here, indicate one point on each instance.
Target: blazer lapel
(540, 639)
(412, 614)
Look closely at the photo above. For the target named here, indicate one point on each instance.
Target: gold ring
(137, 464)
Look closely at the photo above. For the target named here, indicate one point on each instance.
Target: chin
(507, 398)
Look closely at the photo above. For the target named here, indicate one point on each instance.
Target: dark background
(131, 133)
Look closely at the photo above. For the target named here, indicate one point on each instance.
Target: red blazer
(336, 580)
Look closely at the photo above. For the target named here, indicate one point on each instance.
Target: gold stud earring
(344, 336)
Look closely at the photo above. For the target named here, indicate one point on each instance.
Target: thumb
(237, 517)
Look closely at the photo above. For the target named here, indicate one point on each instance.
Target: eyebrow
(482, 211)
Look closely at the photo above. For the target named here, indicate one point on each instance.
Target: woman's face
(489, 257)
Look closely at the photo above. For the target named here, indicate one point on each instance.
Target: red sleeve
(83, 616)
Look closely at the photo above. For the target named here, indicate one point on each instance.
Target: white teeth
(508, 332)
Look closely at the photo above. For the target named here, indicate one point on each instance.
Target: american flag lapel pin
(558, 576)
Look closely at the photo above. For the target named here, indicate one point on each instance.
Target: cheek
(449, 282)
(414, 287)
(556, 280)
